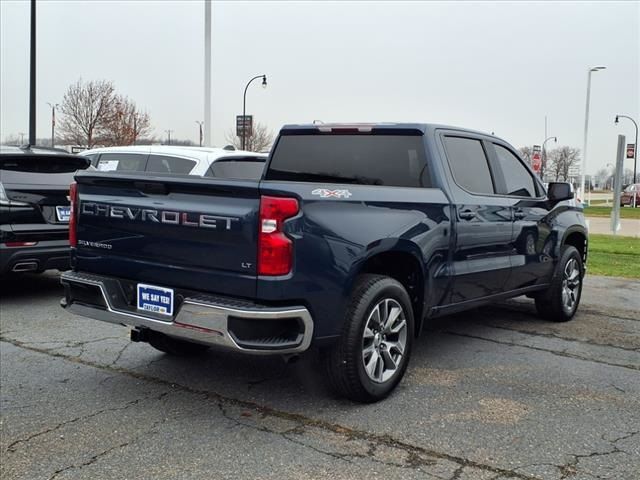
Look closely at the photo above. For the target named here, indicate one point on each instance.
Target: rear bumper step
(227, 323)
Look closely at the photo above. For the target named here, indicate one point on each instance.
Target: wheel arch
(404, 264)
(578, 238)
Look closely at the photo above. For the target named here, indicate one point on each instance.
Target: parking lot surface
(494, 393)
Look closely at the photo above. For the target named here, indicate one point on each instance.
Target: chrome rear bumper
(199, 318)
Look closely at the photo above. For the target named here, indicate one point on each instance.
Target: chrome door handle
(519, 214)
(467, 215)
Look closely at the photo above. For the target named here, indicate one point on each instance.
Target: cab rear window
(379, 159)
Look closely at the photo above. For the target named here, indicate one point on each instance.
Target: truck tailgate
(185, 232)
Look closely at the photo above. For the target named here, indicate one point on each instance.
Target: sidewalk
(629, 227)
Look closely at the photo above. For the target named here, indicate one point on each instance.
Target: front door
(532, 239)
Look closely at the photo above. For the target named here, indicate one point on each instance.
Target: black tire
(174, 346)
(344, 363)
(551, 303)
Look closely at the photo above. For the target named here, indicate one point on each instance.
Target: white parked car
(158, 159)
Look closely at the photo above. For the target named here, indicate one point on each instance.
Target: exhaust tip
(25, 267)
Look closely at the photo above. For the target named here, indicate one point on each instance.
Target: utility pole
(53, 123)
(168, 132)
(200, 124)
(586, 130)
(207, 74)
(21, 138)
(32, 77)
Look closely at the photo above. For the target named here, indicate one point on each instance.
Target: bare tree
(86, 109)
(526, 153)
(560, 161)
(125, 124)
(259, 141)
(601, 177)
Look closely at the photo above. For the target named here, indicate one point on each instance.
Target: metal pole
(615, 213)
(207, 74)
(586, 129)
(32, 77)
(244, 106)
(200, 130)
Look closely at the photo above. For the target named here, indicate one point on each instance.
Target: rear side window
(469, 164)
(165, 164)
(232, 168)
(393, 160)
(518, 180)
(122, 162)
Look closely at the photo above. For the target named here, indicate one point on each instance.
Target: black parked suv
(35, 208)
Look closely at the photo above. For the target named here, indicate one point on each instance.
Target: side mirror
(559, 191)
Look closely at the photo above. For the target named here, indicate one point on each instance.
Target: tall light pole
(53, 123)
(207, 73)
(635, 147)
(244, 105)
(544, 151)
(586, 128)
(200, 130)
(168, 132)
(32, 77)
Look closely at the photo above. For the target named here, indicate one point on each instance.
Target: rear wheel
(560, 301)
(373, 351)
(174, 346)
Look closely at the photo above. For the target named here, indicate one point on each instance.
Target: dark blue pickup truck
(353, 238)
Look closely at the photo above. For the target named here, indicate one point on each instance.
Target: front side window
(166, 164)
(122, 162)
(391, 160)
(469, 164)
(518, 180)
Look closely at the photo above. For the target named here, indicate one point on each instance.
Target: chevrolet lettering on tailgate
(188, 219)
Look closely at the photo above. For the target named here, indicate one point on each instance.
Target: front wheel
(560, 301)
(373, 351)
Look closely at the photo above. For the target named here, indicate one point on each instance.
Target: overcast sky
(496, 66)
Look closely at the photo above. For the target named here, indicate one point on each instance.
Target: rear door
(171, 231)
(481, 262)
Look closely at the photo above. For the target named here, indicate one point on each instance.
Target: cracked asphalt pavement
(491, 394)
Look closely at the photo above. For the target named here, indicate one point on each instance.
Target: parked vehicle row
(35, 208)
(349, 241)
(34, 191)
(631, 196)
(161, 159)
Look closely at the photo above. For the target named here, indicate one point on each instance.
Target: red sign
(631, 149)
(536, 162)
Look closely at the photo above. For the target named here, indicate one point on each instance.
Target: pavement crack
(115, 361)
(561, 353)
(302, 420)
(91, 460)
(12, 447)
(560, 337)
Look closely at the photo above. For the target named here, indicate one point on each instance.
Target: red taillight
(20, 244)
(275, 250)
(73, 197)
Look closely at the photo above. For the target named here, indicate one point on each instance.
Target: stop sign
(536, 162)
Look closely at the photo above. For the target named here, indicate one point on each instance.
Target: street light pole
(244, 105)
(207, 73)
(544, 150)
(53, 123)
(200, 129)
(168, 132)
(635, 147)
(586, 129)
